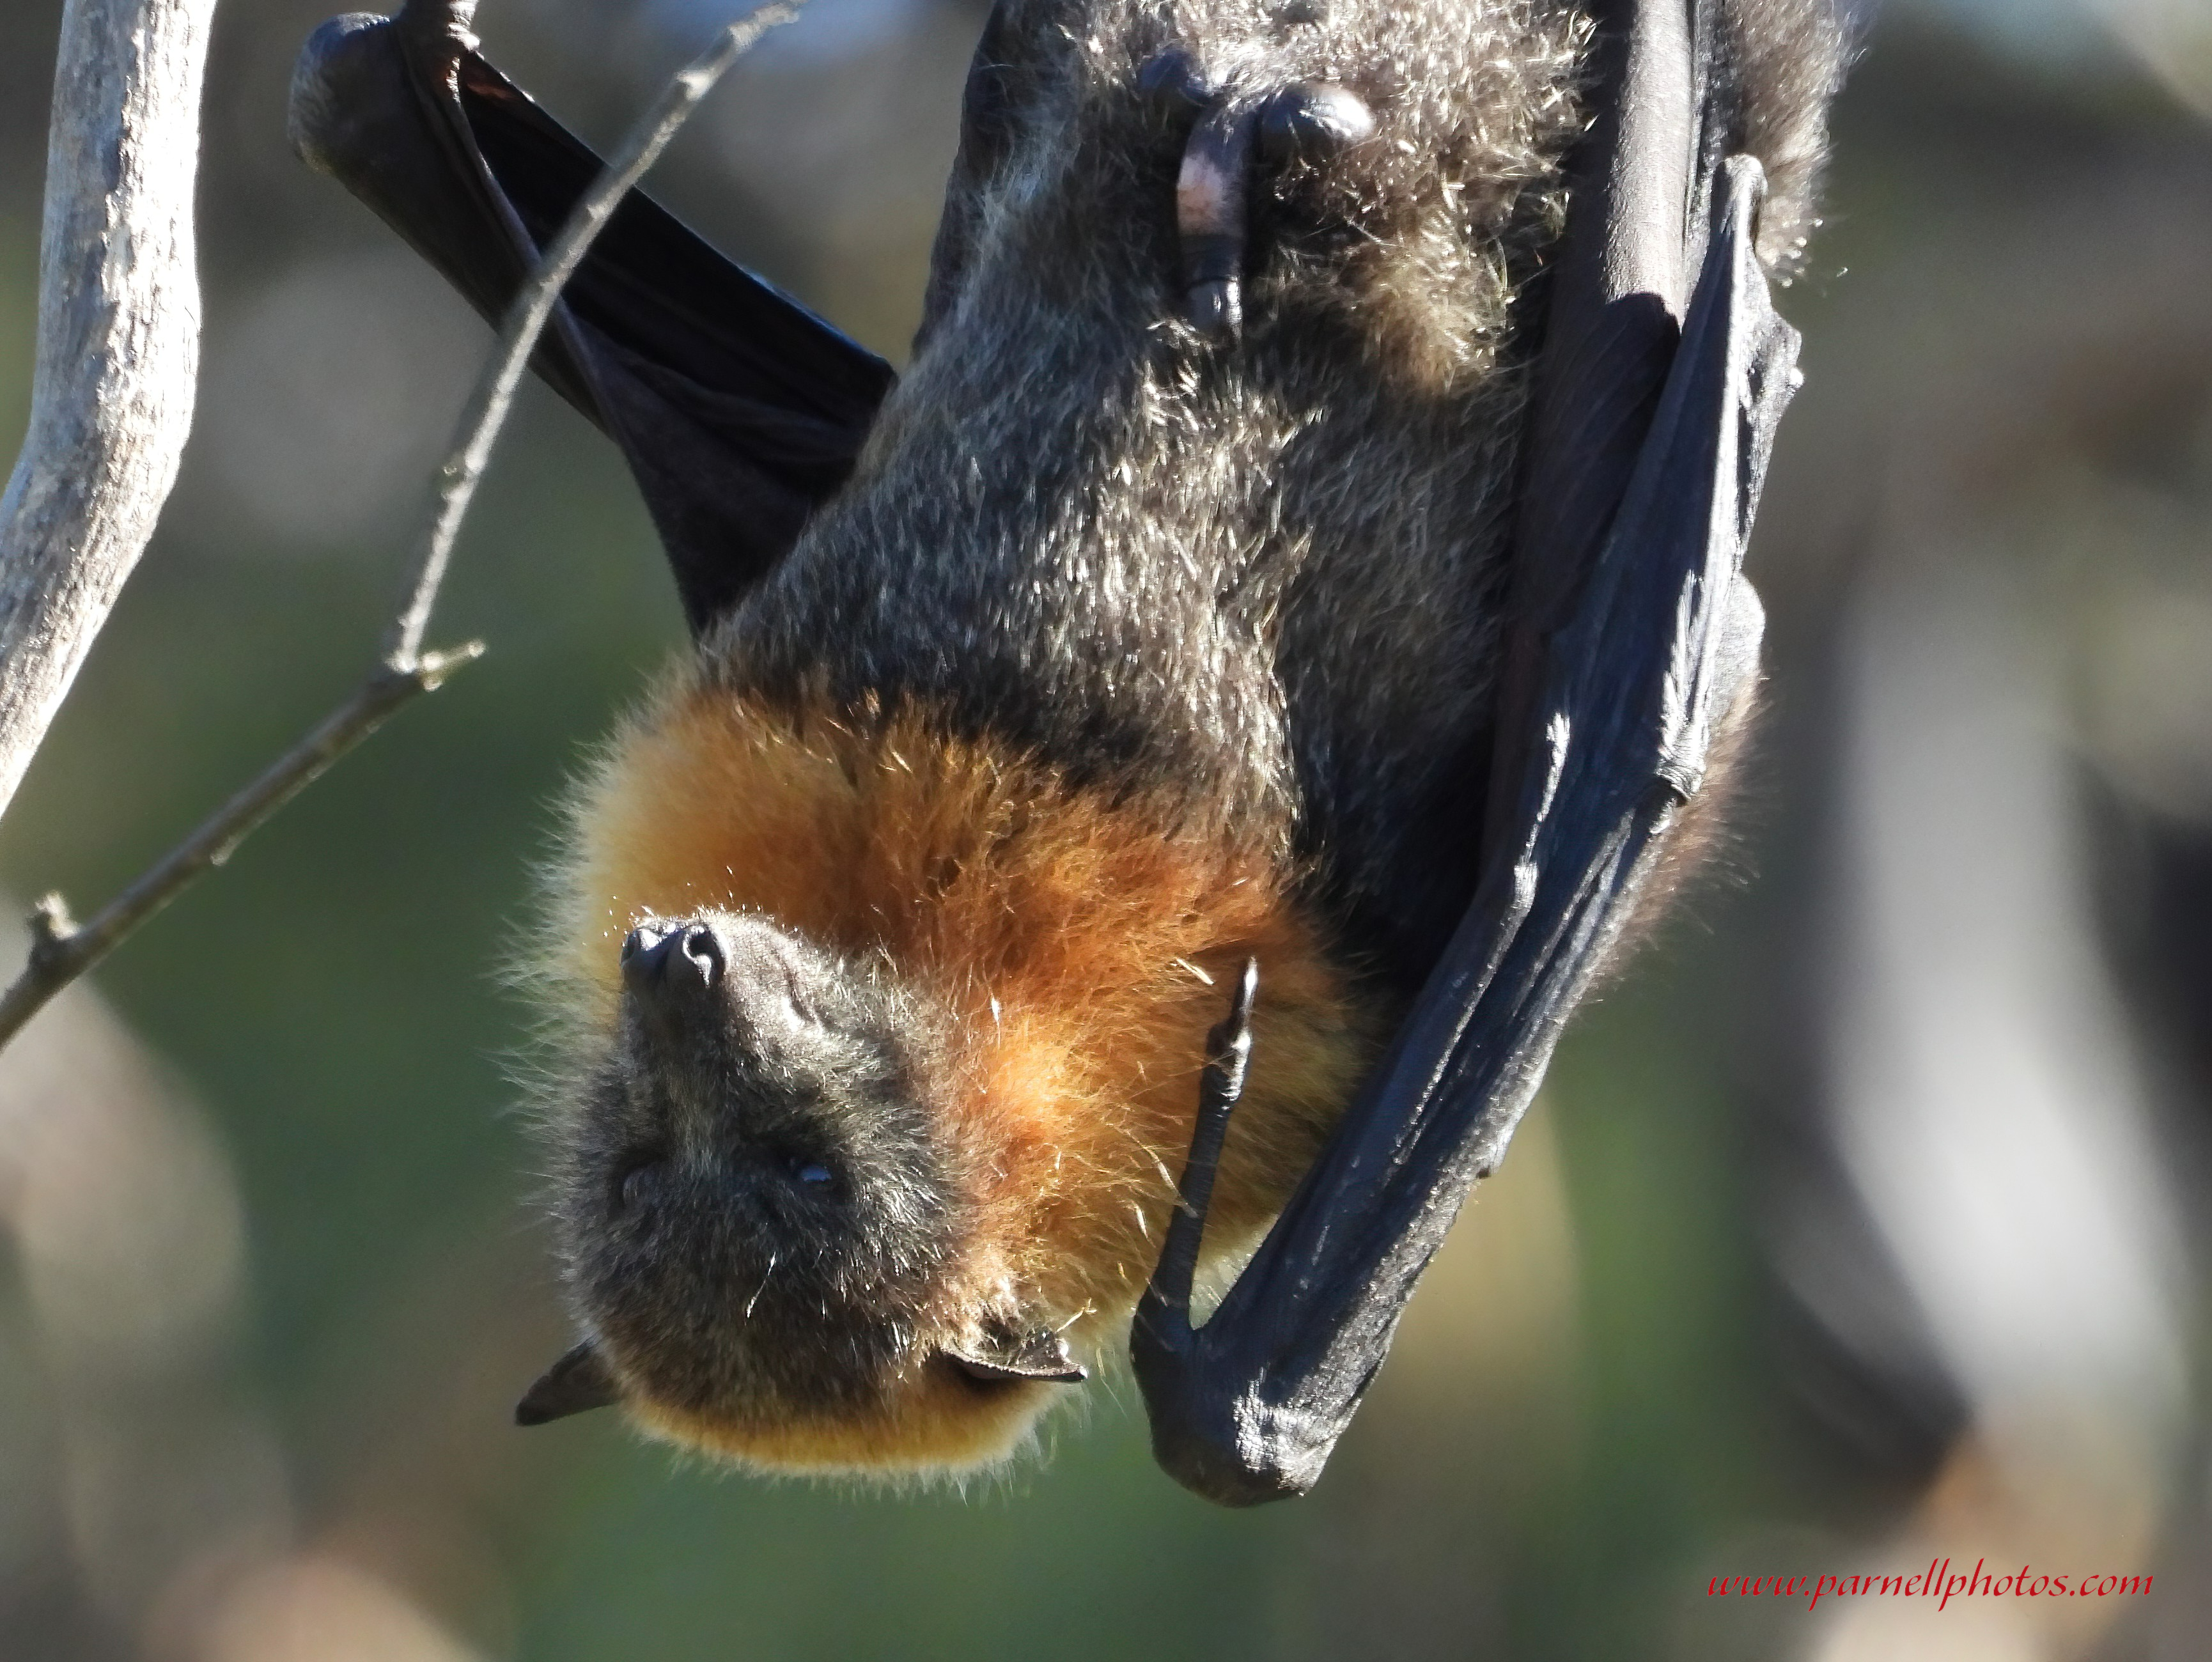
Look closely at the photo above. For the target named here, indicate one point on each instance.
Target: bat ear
(1041, 1356)
(577, 1383)
(738, 410)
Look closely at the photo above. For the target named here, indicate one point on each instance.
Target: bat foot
(1301, 125)
(1310, 122)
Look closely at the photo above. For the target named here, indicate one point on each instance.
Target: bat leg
(1162, 1344)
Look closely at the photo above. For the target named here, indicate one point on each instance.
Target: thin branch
(526, 319)
(61, 950)
(118, 345)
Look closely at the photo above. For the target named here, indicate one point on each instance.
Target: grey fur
(697, 1243)
(1260, 580)
(1266, 578)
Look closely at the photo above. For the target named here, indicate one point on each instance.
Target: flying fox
(1149, 780)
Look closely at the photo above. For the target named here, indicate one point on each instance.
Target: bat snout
(671, 963)
(766, 1209)
(744, 970)
(771, 1221)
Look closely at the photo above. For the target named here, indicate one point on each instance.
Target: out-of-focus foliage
(1749, 1295)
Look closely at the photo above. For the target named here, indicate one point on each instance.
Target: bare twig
(61, 950)
(118, 345)
(487, 408)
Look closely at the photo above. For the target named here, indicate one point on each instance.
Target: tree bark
(117, 346)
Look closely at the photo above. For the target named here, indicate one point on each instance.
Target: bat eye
(812, 1174)
(639, 1184)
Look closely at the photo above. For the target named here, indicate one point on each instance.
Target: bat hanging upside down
(1154, 777)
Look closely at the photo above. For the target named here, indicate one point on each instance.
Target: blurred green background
(1630, 1372)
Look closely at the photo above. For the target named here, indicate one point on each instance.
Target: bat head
(881, 1052)
(769, 1230)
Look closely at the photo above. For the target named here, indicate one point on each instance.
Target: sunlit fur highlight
(1256, 592)
(1080, 950)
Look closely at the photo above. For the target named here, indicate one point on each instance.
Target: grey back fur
(1262, 579)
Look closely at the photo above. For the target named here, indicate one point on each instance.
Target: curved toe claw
(1216, 308)
(1222, 1443)
(1305, 123)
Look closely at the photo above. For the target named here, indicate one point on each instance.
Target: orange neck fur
(1079, 949)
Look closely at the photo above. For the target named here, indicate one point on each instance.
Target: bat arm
(1248, 1407)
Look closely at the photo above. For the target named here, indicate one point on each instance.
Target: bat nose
(660, 960)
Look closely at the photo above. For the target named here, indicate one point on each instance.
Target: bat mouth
(967, 1405)
(769, 1233)
(948, 1425)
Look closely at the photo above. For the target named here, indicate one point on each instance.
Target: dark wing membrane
(1618, 287)
(1633, 651)
(738, 410)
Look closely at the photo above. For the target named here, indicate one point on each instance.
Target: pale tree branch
(61, 950)
(118, 345)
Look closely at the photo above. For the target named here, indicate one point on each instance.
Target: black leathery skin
(1311, 122)
(578, 1383)
(738, 410)
(1177, 83)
